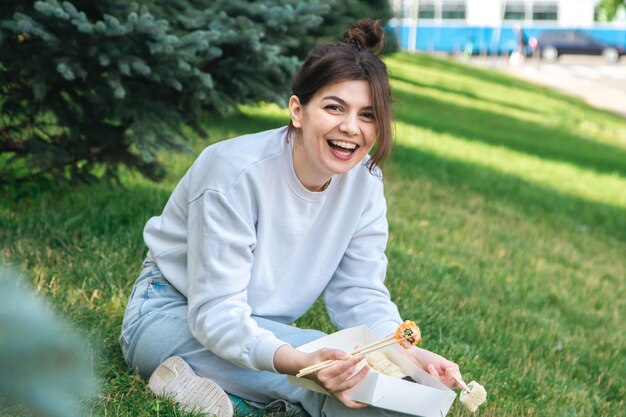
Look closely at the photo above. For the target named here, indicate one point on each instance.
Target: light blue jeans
(155, 328)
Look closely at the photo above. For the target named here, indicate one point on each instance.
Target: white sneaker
(174, 378)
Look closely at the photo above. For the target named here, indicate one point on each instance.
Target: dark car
(551, 45)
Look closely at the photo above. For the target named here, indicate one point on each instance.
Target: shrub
(87, 86)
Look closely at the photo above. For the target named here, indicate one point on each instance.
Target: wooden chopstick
(462, 383)
(305, 371)
(375, 344)
(376, 347)
(390, 340)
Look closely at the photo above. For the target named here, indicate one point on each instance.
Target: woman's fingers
(339, 378)
(348, 378)
(437, 366)
(346, 365)
(338, 372)
(446, 376)
(321, 356)
(327, 353)
(348, 402)
(343, 385)
(449, 378)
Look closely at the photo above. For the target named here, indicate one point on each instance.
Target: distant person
(518, 56)
(257, 229)
(534, 47)
(468, 51)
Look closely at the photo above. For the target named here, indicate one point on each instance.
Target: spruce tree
(89, 85)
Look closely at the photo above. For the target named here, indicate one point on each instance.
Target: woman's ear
(295, 111)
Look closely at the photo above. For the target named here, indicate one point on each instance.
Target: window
(441, 9)
(453, 11)
(426, 10)
(599, 14)
(514, 11)
(545, 11)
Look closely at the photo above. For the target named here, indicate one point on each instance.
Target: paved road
(600, 84)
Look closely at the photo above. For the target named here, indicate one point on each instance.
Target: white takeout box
(426, 398)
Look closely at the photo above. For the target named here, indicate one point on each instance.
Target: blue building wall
(453, 38)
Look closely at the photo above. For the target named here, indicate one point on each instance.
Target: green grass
(507, 212)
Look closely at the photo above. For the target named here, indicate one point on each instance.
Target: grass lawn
(507, 212)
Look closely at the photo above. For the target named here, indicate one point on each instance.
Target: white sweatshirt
(241, 236)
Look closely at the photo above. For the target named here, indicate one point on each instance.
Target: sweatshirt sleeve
(221, 242)
(356, 294)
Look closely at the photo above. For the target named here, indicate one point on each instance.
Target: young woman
(259, 227)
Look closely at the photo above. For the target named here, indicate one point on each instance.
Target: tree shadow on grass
(531, 200)
(490, 76)
(465, 70)
(558, 144)
(458, 92)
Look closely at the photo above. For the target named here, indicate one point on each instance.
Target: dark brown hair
(354, 58)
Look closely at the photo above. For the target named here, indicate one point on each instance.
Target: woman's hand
(436, 365)
(336, 379)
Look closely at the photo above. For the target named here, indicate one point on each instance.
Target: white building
(491, 25)
(560, 13)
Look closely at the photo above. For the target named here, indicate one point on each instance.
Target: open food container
(427, 397)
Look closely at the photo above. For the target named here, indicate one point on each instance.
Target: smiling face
(337, 129)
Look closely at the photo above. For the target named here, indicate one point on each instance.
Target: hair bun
(366, 34)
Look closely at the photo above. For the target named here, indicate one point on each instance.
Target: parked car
(556, 43)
